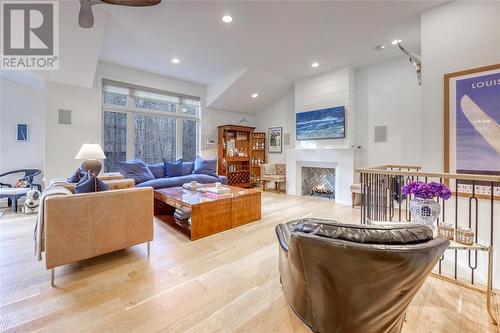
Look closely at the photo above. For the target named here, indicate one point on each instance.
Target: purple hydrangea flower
(427, 190)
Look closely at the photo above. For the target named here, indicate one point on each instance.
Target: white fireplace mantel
(344, 160)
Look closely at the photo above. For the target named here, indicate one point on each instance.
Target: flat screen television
(321, 124)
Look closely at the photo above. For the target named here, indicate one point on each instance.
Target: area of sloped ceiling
(215, 89)
(284, 37)
(237, 96)
(79, 48)
(266, 47)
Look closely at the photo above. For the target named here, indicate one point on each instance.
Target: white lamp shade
(90, 151)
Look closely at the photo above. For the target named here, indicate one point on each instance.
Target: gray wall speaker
(64, 117)
(380, 134)
(286, 139)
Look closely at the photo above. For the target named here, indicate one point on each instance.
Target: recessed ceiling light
(175, 60)
(255, 95)
(396, 41)
(227, 19)
(379, 47)
(314, 64)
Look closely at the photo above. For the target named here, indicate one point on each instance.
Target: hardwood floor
(224, 283)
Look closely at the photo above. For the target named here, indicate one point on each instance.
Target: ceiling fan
(86, 17)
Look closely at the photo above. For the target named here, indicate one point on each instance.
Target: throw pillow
(270, 169)
(173, 169)
(207, 167)
(90, 183)
(137, 170)
(187, 168)
(77, 176)
(157, 169)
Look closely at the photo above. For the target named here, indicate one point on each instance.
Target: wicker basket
(465, 236)
(446, 230)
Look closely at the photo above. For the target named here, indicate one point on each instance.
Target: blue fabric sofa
(161, 180)
(178, 181)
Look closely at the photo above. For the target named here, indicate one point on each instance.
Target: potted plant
(423, 207)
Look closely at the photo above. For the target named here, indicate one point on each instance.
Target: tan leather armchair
(354, 278)
(82, 226)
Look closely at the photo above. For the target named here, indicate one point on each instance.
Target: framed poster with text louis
(472, 131)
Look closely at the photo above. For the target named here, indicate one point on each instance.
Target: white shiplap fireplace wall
(331, 89)
(326, 90)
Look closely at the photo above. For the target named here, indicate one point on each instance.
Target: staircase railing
(474, 204)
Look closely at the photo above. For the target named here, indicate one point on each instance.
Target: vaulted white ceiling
(283, 37)
(266, 47)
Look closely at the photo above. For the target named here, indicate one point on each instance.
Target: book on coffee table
(188, 186)
(220, 190)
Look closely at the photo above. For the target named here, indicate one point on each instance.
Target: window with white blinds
(147, 124)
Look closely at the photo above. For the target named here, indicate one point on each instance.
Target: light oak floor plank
(224, 283)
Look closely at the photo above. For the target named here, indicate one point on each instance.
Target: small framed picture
(22, 132)
(275, 139)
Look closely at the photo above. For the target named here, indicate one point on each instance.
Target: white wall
(62, 142)
(388, 94)
(21, 104)
(330, 89)
(456, 36)
(281, 113)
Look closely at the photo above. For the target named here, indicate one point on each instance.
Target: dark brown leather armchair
(354, 278)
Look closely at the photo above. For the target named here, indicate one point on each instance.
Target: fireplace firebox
(318, 182)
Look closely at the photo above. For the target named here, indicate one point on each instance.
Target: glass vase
(425, 211)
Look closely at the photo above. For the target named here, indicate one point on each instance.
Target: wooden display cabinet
(234, 152)
(257, 155)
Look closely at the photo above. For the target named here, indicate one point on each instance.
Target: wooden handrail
(379, 170)
(396, 166)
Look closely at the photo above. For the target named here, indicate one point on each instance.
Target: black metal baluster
(375, 188)
(442, 257)
(443, 204)
(375, 197)
(401, 180)
(369, 195)
(456, 220)
(407, 204)
(361, 178)
(440, 261)
(473, 198)
(378, 197)
(391, 198)
(386, 190)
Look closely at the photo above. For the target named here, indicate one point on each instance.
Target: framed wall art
(22, 132)
(472, 131)
(321, 124)
(275, 139)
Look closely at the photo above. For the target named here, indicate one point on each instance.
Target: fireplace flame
(322, 189)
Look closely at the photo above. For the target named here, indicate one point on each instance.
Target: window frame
(131, 110)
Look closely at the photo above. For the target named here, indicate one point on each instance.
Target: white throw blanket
(39, 233)
(58, 182)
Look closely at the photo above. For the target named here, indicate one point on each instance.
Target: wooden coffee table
(210, 213)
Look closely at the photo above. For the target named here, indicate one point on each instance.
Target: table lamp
(91, 153)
